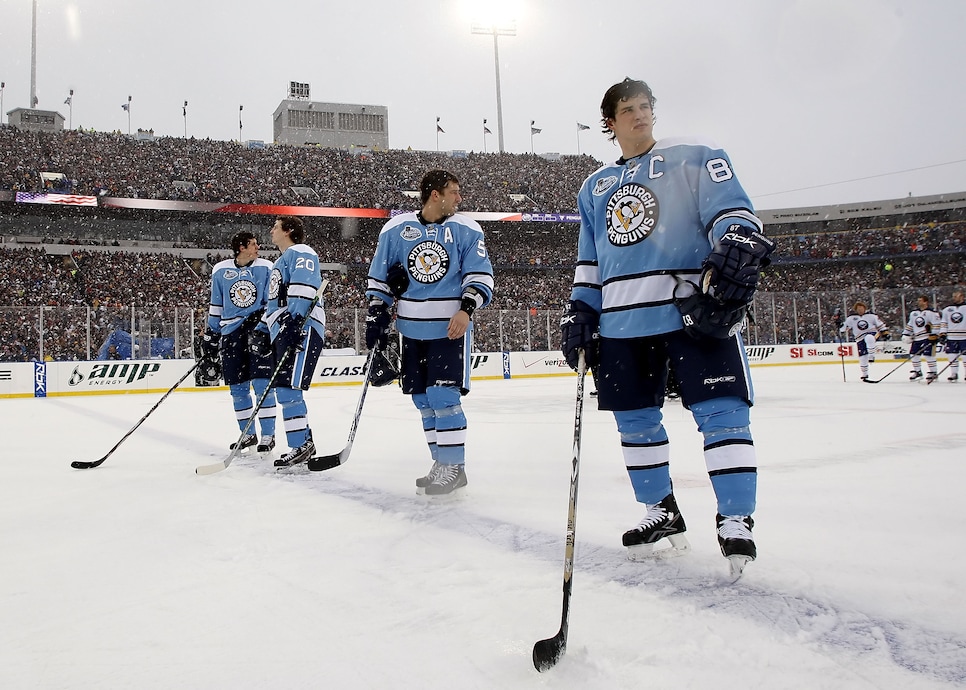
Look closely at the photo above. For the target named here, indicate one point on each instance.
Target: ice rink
(141, 574)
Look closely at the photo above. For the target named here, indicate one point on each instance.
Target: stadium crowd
(112, 164)
(80, 293)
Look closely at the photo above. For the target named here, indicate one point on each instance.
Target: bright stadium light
(496, 29)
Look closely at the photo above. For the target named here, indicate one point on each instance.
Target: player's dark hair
(294, 227)
(241, 240)
(435, 181)
(629, 88)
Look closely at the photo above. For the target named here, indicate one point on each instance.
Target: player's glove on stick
(260, 343)
(730, 272)
(377, 324)
(578, 330)
(289, 332)
(209, 360)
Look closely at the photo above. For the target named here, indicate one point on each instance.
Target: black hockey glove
(397, 278)
(260, 343)
(377, 324)
(208, 372)
(289, 332)
(578, 331)
(730, 272)
(837, 318)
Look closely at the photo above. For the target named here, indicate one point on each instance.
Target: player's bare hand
(458, 325)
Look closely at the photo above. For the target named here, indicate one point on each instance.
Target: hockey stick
(837, 316)
(82, 465)
(223, 465)
(327, 462)
(897, 368)
(546, 653)
(939, 373)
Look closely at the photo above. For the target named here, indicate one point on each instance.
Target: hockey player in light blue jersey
(436, 264)
(239, 292)
(294, 324)
(668, 257)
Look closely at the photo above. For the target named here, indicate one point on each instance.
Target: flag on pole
(68, 100)
(126, 107)
(580, 127)
(486, 130)
(439, 129)
(535, 130)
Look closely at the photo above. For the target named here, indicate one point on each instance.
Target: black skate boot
(953, 377)
(931, 376)
(915, 376)
(248, 440)
(423, 482)
(297, 455)
(267, 444)
(448, 479)
(736, 542)
(662, 520)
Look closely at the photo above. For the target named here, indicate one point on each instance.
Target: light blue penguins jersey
(237, 292)
(647, 220)
(295, 280)
(443, 260)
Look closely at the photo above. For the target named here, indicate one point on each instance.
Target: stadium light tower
(33, 57)
(496, 29)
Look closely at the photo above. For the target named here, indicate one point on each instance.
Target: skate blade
(646, 552)
(737, 565)
(452, 496)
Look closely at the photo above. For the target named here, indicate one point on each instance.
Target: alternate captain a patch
(428, 262)
(632, 215)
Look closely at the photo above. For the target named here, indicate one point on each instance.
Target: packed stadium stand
(72, 276)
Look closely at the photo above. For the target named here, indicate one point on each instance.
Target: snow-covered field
(141, 574)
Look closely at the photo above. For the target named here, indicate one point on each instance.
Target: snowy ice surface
(141, 574)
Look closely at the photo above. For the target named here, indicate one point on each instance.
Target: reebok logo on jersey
(632, 215)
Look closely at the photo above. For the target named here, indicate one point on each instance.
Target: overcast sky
(816, 101)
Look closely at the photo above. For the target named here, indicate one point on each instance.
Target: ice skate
(931, 376)
(297, 455)
(736, 542)
(448, 479)
(267, 444)
(953, 377)
(248, 440)
(423, 482)
(662, 520)
(915, 376)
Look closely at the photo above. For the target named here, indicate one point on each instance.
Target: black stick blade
(546, 653)
(324, 462)
(82, 465)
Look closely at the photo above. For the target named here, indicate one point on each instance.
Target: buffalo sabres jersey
(922, 323)
(236, 292)
(294, 282)
(861, 326)
(443, 261)
(646, 224)
(953, 322)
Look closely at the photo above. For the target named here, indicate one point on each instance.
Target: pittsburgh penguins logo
(632, 215)
(243, 293)
(428, 262)
(273, 284)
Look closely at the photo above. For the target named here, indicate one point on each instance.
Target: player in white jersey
(435, 264)
(922, 335)
(239, 292)
(952, 332)
(668, 257)
(294, 328)
(866, 328)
